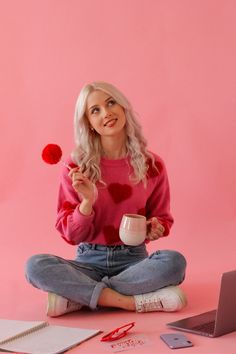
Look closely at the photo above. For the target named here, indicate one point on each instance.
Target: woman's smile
(110, 123)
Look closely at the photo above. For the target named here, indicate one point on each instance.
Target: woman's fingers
(72, 171)
(82, 184)
(155, 229)
(76, 175)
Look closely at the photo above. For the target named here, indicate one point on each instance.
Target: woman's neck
(113, 148)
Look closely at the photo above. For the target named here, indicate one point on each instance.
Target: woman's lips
(110, 122)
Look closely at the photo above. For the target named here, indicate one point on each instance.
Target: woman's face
(105, 115)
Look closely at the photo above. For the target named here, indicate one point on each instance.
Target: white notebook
(36, 337)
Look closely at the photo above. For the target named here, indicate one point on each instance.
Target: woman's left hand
(155, 229)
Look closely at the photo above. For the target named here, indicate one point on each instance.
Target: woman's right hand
(82, 185)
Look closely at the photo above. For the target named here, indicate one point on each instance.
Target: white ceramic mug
(133, 229)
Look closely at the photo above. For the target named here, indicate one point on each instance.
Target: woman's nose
(107, 112)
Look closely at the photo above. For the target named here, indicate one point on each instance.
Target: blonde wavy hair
(88, 151)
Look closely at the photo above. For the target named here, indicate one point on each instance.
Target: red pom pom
(51, 154)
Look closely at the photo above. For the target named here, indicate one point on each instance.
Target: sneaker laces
(72, 305)
(151, 305)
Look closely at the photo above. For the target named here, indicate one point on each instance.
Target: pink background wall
(175, 61)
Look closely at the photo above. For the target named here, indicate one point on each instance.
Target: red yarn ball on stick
(52, 154)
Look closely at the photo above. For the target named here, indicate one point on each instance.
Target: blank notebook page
(50, 340)
(10, 328)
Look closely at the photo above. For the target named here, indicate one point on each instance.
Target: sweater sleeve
(73, 226)
(158, 204)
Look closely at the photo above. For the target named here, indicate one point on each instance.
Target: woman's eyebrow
(92, 107)
(95, 105)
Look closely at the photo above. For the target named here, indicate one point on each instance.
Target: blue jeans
(127, 269)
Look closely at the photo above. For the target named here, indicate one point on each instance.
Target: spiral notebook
(36, 337)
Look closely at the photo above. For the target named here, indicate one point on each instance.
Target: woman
(111, 173)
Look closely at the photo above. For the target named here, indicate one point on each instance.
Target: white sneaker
(58, 305)
(167, 299)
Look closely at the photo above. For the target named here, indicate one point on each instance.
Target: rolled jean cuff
(96, 293)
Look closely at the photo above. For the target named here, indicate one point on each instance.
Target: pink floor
(207, 259)
(21, 301)
(151, 324)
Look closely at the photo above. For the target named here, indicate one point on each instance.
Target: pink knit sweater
(118, 197)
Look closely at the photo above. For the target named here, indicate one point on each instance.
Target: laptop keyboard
(205, 327)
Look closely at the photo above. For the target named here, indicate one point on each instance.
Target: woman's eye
(111, 102)
(95, 110)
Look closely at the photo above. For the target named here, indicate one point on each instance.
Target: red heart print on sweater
(119, 192)
(111, 234)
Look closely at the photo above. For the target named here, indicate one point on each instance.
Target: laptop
(217, 322)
